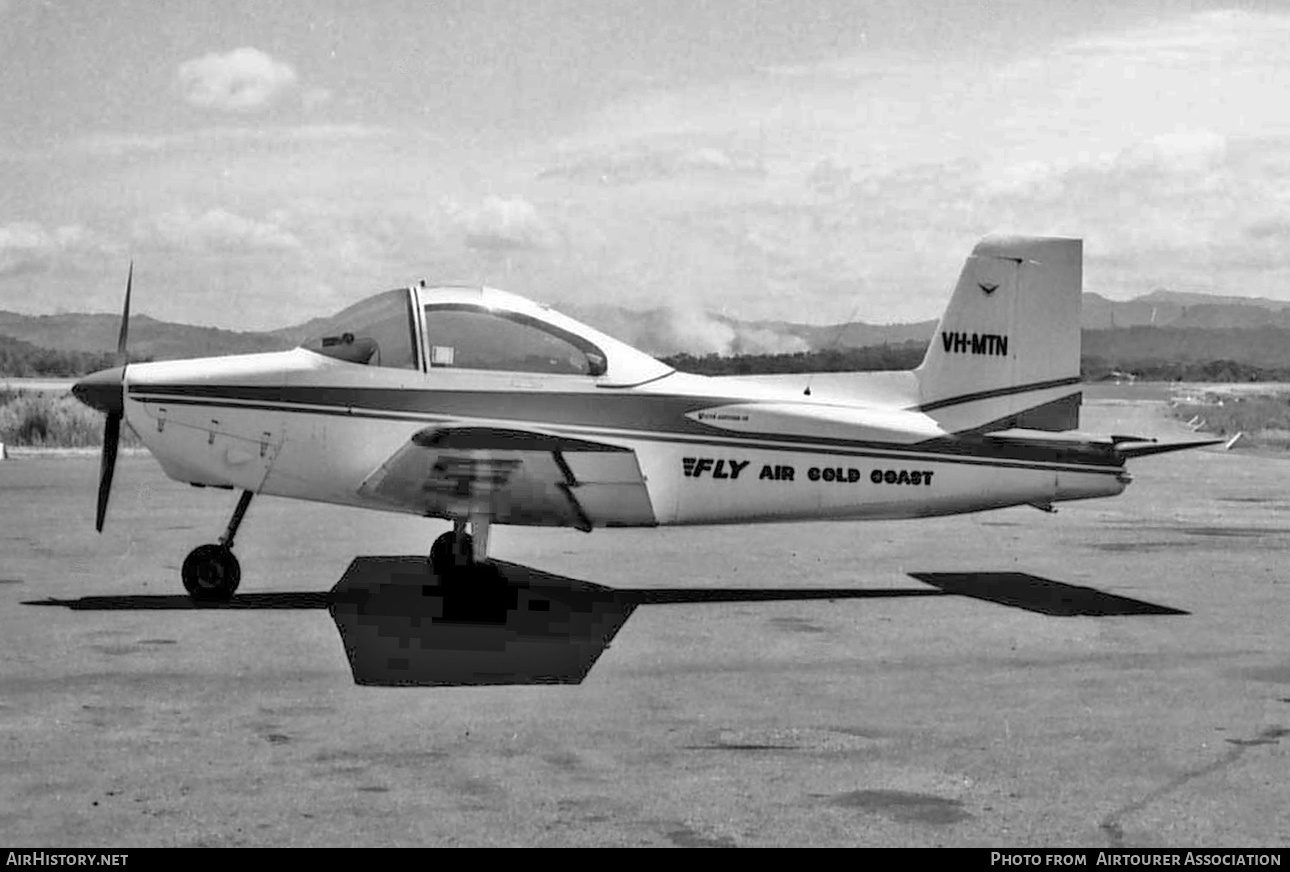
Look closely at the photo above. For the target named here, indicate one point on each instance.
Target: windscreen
(379, 331)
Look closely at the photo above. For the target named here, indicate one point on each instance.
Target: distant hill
(1162, 325)
(1184, 298)
(160, 340)
(1168, 309)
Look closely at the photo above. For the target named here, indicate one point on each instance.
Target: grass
(1263, 418)
(52, 419)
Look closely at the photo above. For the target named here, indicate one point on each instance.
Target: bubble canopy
(447, 329)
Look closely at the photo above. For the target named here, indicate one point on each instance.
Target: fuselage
(303, 425)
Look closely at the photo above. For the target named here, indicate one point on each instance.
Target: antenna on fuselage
(837, 337)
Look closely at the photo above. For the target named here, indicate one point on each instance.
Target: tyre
(446, 560)
(211, 573)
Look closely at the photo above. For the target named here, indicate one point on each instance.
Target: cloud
(498, 224)
(242, 80)
(315, 98)
(217, 230)
(1220, 70)
(118, 144)
(1184, 161)
(676, 329)
(698, 332)
(1164, 144)
(1192, 37)
(680, 328)
(815, 193)
(637, 165)
(1273, 230)
(28, 247)
(829, 177)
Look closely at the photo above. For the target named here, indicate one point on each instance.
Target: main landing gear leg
(211, 573)
(473, 590)
(458, 553)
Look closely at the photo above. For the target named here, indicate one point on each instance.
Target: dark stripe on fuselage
(997, 392)
(659, 418)
(628, 411)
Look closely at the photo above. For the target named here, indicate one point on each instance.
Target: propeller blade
(111, 435)
(121, 357)
(89, 388)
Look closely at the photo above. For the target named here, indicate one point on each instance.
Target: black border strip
(917, 451)
(997, 392)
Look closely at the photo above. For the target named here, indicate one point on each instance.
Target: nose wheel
(210, 572)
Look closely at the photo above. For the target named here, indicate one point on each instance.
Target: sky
(265, 163)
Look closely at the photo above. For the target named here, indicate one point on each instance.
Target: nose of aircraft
(103, 390)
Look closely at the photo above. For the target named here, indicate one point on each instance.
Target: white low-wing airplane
(481, 407)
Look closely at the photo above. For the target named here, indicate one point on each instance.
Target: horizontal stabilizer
(496, 439)
(1145, 449)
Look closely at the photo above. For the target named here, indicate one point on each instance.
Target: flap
(513, 477)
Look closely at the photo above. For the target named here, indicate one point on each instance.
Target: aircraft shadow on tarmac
(511, 624)
(1043, 595)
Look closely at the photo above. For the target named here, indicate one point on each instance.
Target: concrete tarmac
(885, 722)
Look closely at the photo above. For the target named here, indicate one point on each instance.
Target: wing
(514, 477)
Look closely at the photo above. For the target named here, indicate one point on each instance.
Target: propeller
(105, 391)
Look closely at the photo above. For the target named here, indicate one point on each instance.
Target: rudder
(1007, 351)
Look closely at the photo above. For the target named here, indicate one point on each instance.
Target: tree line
(19, 359)
(903, 355)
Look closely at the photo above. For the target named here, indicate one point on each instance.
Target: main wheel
(211, 573)
(446, 558)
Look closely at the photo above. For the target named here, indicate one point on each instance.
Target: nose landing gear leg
(211, 573)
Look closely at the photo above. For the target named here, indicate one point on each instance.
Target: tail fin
(1007, 352)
